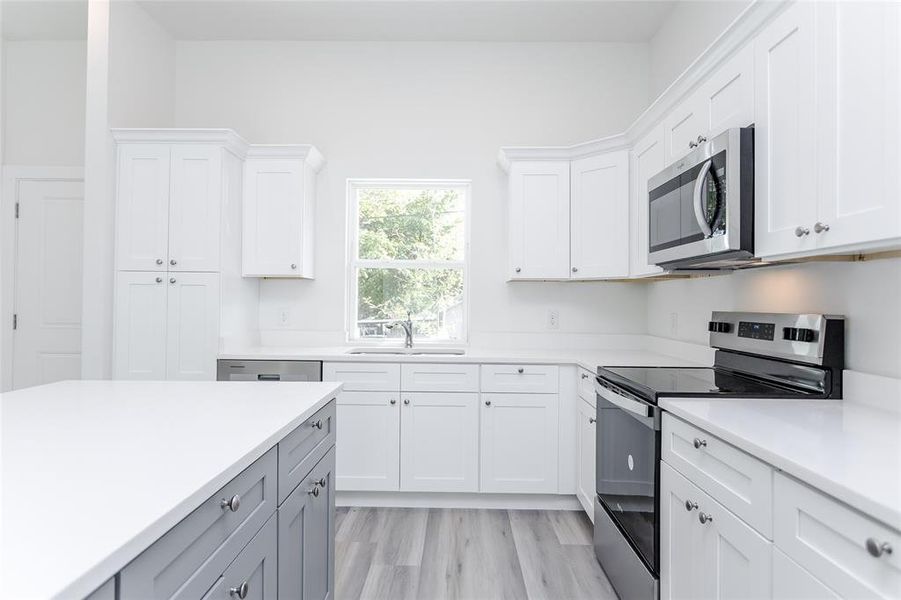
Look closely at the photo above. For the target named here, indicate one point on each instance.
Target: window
(408, 255)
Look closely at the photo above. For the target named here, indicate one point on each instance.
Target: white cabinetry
(539, 220)
(587, 432)
(140, 326)
(648, 159)
(192, 333)
(142, 207)
(279, 208)
(368, 441)
(599, 214)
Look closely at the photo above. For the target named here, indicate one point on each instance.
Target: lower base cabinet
(587, 456)
(368, 441)
(306, 536)
(792, 582)
(254, 573)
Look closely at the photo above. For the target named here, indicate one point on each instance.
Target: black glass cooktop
(654, 382)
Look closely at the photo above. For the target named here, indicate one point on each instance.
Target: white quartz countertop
(588, 359)
(94, 472)
(846, 449)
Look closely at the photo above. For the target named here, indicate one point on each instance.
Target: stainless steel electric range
(759, 355)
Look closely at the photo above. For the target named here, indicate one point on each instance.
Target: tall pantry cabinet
(178, 211)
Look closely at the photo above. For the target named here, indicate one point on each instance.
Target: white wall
(434, 110)
(867, 293)
(44, 102)
(691, 26)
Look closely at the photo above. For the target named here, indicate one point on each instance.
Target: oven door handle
(633, 406)
(699, 200)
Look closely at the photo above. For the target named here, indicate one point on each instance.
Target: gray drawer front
(256, 566)
(301, 449)
(306, 534)
(191, 556)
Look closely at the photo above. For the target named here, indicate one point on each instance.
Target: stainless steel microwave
(701, 209)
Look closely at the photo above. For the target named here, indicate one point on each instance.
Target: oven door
(628, 453)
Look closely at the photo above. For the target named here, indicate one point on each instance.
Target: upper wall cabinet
(647, 161)
(279, 205)
(539, 220)
(169, 194)
(599, 214)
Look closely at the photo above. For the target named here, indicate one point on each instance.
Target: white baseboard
(458, 500)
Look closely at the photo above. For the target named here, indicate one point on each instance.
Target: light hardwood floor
(437, 554)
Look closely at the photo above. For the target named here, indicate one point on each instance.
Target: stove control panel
(756, 330)
(798, 334)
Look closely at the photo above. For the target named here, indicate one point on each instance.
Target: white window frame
(354, 262)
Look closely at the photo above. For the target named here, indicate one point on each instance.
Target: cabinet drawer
(739, 481)
(254, 572)
(586, 386)
(364, 377)
(830, 540)
(191, 556)
(439, 378)
(301, 449)
(525, 379)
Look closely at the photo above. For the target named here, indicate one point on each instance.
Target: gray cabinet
(306, 536)
(254, 573)
(301, 449)
(107, 591)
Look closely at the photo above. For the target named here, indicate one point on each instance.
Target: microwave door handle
(633, 406)
(699, 200)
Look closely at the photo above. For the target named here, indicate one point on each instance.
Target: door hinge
(17, 210)
(15, 321)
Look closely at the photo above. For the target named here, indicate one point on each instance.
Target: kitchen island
(105, 481)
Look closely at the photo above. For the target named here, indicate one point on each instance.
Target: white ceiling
(412, 20)
(44, 19)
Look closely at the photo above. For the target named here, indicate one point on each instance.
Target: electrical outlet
(284, 316)
(674, 323)
(553, 319)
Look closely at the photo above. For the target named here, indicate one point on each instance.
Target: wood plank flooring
(455, 554)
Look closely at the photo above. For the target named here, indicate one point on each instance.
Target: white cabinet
(682, 127)
(166, 325)
(599, 214)
(648, 159)
(168, 207)
(519, 443)
(786, 139)
(792, 582)
(279, 208)
(587, 432)
(539, 220)
(727, 96)
(439, 438)
(368, 441)
(706, 551)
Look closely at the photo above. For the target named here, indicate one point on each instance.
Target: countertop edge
(100, 573)
(891, 517)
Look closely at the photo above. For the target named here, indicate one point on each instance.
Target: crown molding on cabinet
(733, 38)
(228, 138)
(305, 152)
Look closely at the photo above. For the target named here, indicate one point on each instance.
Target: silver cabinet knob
(877, 549)
(392, 402)
(801, 231)
(314, 491)
(701, 139)
(520, 370)
(321, 482)
(159, 261)
(690, 505)
(487, 402)
(592, 420)
(317, 424)
(406, 401)
(232, 504)
(172, 280)
(820, 227)
(159, 280)
(585, 375)
(239, 591)
(704, 518)
(173, 262)
(575, 269)
(518, 270)
(293, 266)
(692, 144)
(698, 443)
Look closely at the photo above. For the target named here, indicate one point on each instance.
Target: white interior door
(49, 242)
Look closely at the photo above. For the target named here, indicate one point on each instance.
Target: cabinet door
(193, 326)
(368, 441)
(306, 534)
(680, 537)
(682, 126)
(519, 443)
(142, 207)
(728, 95)
(647, 160)
(140, 326)
(254, 572)
(587, 445)
(195, 198)
(273, 218)
(785, 184)
(858, 101)
(439, 442)
(600, 216)
(539, 220)
(792, 582)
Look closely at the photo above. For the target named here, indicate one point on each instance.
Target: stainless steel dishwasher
(269, 370)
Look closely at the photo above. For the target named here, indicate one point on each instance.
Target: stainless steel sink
(409, 351)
